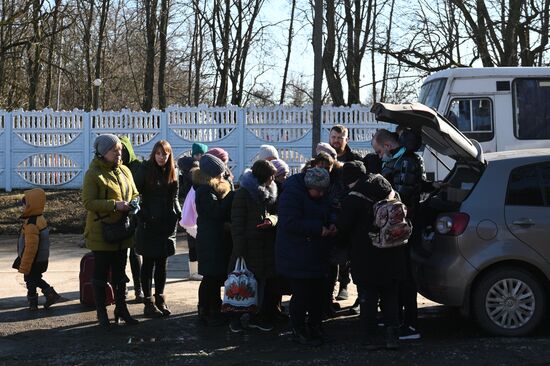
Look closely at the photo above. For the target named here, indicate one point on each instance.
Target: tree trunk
(288, 51)
(333, 78)
(34, 51)
(150, 29)
(164, 15)
(52, 45)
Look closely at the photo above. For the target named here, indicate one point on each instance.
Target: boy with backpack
(376, 267)
(33, 248)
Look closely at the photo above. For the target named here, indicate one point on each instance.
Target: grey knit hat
(104, 143)
(211, 165)
(317, 178)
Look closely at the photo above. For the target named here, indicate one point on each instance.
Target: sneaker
(259, 323)
(342, 294)
(195, 277)
(408, 332)
(236, 326)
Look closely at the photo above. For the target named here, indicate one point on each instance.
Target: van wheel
(508, 301)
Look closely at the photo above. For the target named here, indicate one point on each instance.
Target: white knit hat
(268, 151)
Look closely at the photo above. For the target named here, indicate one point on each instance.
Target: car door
(527, 207)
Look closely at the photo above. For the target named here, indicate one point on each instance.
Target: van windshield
(431, 92)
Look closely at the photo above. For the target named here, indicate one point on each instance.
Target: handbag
(118, 231)
(240, 290)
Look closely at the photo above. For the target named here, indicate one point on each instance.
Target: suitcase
(86, 284)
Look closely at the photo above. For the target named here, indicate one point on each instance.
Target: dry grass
(64, 212)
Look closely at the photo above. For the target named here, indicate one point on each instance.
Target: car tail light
(452, 223)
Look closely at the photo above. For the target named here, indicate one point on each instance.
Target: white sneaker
(195, 277)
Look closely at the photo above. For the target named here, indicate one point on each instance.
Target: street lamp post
(95, 100)
(317, 73)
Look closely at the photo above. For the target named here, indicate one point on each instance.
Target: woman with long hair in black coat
(156, 232)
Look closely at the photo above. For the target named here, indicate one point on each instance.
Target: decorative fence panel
(52, 149)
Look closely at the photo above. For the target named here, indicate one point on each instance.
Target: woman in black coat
(253, 222)
(156, 232)
(213, 199)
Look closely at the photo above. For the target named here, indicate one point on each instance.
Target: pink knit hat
(219, 153)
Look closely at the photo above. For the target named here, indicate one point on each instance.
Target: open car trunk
(442, 136)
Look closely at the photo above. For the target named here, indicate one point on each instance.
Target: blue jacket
(301, 252)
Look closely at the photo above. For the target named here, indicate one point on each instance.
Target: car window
(431, 92)
(529, 185)
(473, 117)
(531, 108)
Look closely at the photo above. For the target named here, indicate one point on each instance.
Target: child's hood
(35, 200)
(125, 141)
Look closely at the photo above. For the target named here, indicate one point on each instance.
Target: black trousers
(370, 295)
(33, 281)
(408, 308)
(135, 266)
(158, 265)
(308, 297)
(113, 262)
(192, 243)
(269, 295)
(210, 301)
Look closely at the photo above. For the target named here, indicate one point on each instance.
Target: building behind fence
(52, 149)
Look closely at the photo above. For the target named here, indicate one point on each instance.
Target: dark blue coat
(301, 252)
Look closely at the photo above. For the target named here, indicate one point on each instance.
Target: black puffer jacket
(369, 264)
(407, 175)
(158, 217)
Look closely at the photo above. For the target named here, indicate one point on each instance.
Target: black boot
(161, 304)
(51, 297)
(99, 298)
(33, 302)
(150, 309)
(202, 315)
(138, 293)
(121, 310)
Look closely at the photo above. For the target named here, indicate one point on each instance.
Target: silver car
(486, 247)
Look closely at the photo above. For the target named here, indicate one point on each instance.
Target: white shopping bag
(241, 290)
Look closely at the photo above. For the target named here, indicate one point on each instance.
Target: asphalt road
(67, 334)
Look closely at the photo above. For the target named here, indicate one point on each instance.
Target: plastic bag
(240, 290)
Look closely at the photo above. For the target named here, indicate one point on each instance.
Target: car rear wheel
(508, 301)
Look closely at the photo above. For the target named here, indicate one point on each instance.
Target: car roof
(518, 154)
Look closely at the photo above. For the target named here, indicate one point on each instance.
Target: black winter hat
(353, 171)
(211, 165)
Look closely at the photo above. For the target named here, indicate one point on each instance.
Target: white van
(504, 108)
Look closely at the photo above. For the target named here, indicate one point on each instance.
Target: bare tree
(288, 50)
(163, 31)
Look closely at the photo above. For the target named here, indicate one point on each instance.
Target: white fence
(52, 149)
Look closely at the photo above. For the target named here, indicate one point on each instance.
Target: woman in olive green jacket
(107, 191)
